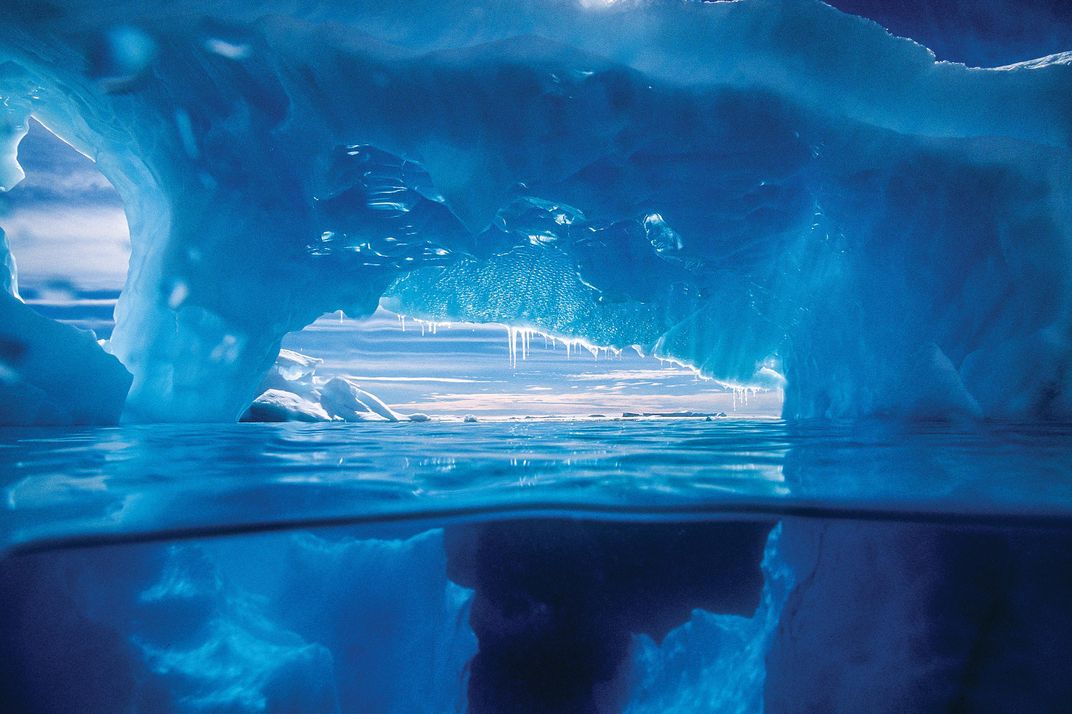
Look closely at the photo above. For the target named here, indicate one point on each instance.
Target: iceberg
(53, 374)
(277, 405)
(763, 189)
(294, 392)
(345, 400)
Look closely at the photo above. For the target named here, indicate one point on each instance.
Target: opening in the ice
(66, 228)
(494, 371)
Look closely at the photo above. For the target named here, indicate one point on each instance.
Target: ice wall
(921, 617)
(290, 622)
(54, 374)
(753, 187)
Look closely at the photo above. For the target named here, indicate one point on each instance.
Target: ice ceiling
(762, 188)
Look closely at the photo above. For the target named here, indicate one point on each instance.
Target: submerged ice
(548, 615)
(759, 189)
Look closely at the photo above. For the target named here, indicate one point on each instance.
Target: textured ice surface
(953, 619)
(278, 405)
(716, 661)
(756, 188)
(549, 615)
(344, 399)
(294, 622)
(294, 392)
(54, 374)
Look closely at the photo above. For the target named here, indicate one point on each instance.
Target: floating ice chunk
(278, 405)
(342, 398)
(292, 373)
(419, 417)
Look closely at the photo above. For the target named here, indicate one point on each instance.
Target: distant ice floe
(293, 392)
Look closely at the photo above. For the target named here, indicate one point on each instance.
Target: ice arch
(748, 186)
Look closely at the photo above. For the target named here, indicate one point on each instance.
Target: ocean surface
(91, 485)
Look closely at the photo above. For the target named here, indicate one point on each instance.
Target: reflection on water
(130, 482)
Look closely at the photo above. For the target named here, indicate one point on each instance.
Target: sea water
(588, 565)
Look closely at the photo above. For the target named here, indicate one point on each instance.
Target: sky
(64, 222)
(66, 228)
(464, 368)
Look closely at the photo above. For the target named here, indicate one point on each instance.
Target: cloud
(465, 369)
(85, 245)
(588, 402)
(647, 375)
(76, 185)
(437, 380)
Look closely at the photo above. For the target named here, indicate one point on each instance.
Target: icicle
(511, 341)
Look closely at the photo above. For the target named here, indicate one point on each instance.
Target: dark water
(543, 566)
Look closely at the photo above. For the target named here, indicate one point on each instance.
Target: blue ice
(776, 193)
(760, 189)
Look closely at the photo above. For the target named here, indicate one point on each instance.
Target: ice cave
(535, 356)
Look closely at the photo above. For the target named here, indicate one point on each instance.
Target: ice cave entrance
(67, 230)
(490, 371)
(68, 233)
